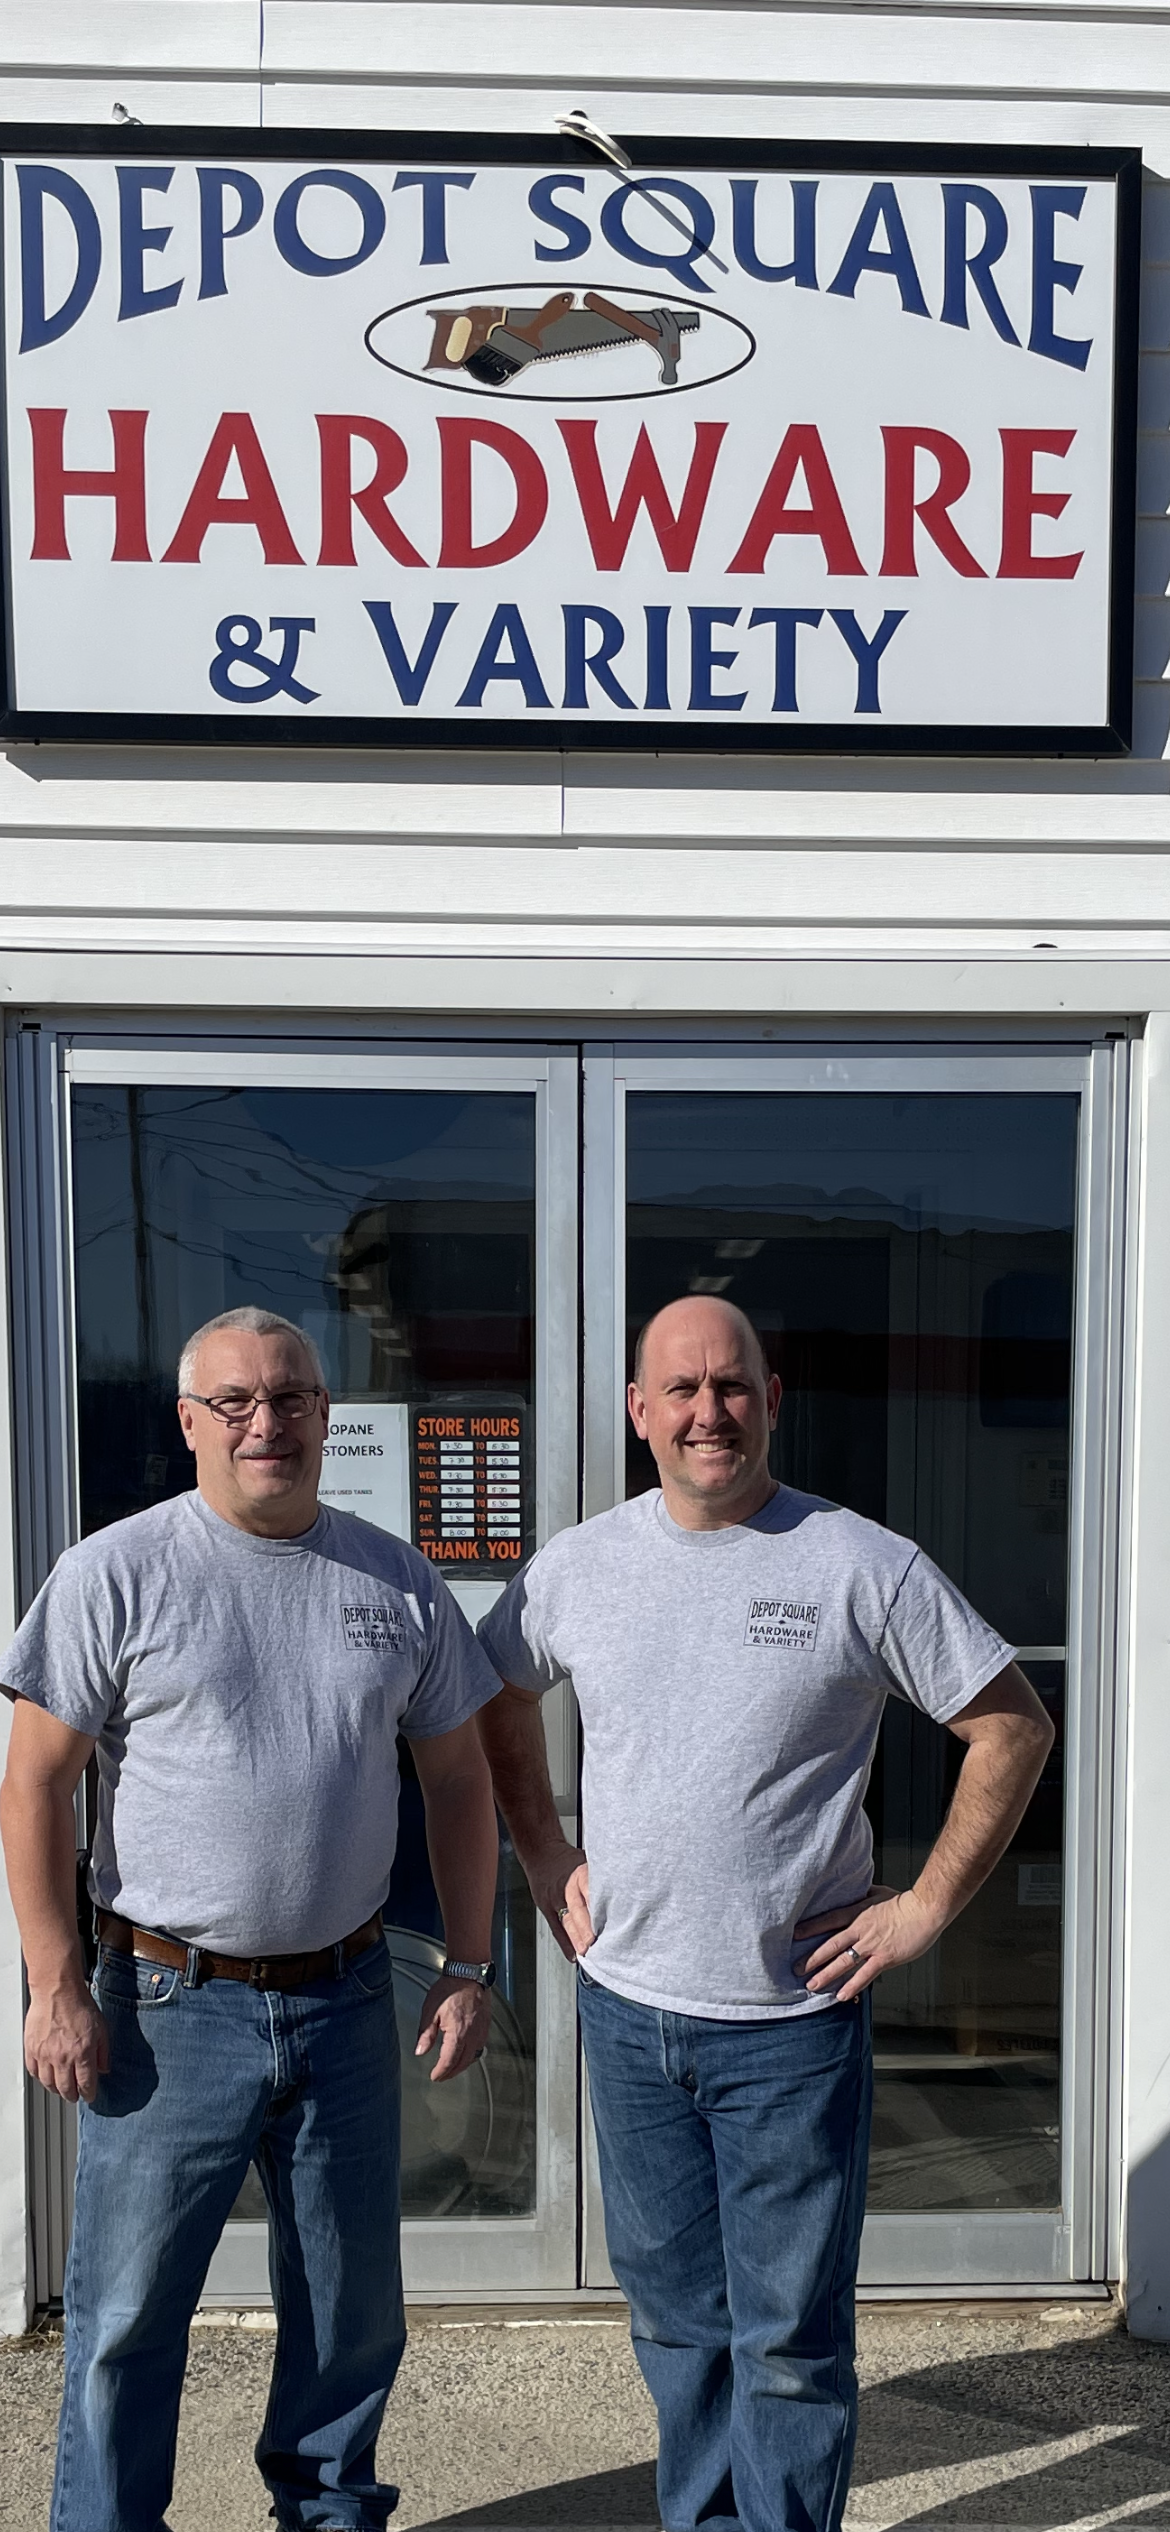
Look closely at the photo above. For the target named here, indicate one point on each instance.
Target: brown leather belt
(286, 1969)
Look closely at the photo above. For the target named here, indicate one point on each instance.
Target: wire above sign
(383, 439)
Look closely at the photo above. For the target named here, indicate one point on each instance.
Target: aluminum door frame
(503, 2257)
(944, 2250)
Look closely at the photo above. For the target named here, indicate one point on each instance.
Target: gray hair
(255, 1323)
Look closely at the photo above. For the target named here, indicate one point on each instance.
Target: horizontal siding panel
(72, 98)
(1156, 220)
(184, 35)
(1155, 308)
(1153, 558)
(1153, 474)
(683, 48)
(597, 883)
(1152, 638)
(234, 792)
(1154, 392)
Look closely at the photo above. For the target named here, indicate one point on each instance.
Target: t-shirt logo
(784, 1626)
(369, 1629)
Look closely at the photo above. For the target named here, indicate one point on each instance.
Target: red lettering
(54, 483)
(609, 531)
(954, 474)
(1022, 503)
(337, 432)
(801, 446)
(258, 506)
(457, 439)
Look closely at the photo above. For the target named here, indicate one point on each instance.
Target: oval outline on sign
(628, 395)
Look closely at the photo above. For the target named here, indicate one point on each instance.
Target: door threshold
(1045, 2291)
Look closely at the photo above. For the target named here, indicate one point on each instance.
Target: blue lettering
(137, 242)
(304, 259)
(434, 209)
(867, 653)
(507, 622)
(36, 325)
(214, 184)
(1049, 203)
(803, 267)
(784, 621)
(704, 660)
(957, 263)
(702, 227)
(579, 661)
(657, 685)
(862, 256)
(542, 200)
(410, 676)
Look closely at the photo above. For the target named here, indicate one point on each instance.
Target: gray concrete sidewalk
(970, 2415)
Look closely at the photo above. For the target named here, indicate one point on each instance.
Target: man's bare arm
(512, 1733)
(65, 2043)
(1008, 1736)
(464, 1847)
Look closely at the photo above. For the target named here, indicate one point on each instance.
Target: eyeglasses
(289, 1406)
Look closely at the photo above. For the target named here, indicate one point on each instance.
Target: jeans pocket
(371, 1971)
(122, 1980)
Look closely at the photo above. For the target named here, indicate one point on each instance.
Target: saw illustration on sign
(494, 343)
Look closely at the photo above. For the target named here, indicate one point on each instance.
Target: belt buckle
(259, 1973)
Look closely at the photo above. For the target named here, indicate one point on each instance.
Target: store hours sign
(372, 439)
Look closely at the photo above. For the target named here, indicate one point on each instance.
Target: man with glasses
(240, 1660)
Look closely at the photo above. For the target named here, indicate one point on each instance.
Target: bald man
(732, 1644)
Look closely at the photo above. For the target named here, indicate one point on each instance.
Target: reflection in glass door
(909, 1255)
(403, 1223)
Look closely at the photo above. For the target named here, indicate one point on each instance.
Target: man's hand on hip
(458, 2015)
(556, 1879)
(882, 1931)
(66, 2043)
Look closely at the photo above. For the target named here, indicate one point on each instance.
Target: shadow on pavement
(981, 2441)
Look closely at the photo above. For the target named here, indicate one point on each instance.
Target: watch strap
(482, 1972)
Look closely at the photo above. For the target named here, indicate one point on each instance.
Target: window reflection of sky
(963, 1162)
(203, 1192)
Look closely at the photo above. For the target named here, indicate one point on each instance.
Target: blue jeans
(733, 2162)
(202, 2081)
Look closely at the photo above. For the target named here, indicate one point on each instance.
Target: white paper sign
(366, 1466)
(776, 449)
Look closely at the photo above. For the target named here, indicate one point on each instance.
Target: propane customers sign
(776, 450)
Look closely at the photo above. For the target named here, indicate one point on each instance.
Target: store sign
(758, 446)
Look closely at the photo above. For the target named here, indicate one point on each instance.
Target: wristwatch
(482, 1972)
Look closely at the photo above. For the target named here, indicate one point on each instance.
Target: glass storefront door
(909, 1239)
(930, 1244)
(415, 1216)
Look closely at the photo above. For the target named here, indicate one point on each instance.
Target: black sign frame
(650, 737)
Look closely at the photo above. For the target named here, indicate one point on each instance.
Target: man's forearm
(464, 1847)
(512, 1731)
(40, 1850)
(995, 1785)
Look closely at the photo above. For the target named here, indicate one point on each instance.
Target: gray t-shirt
(245, 1695)
(731, 1684)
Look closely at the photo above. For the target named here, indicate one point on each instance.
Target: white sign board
(370, 439)
(366, 1463)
